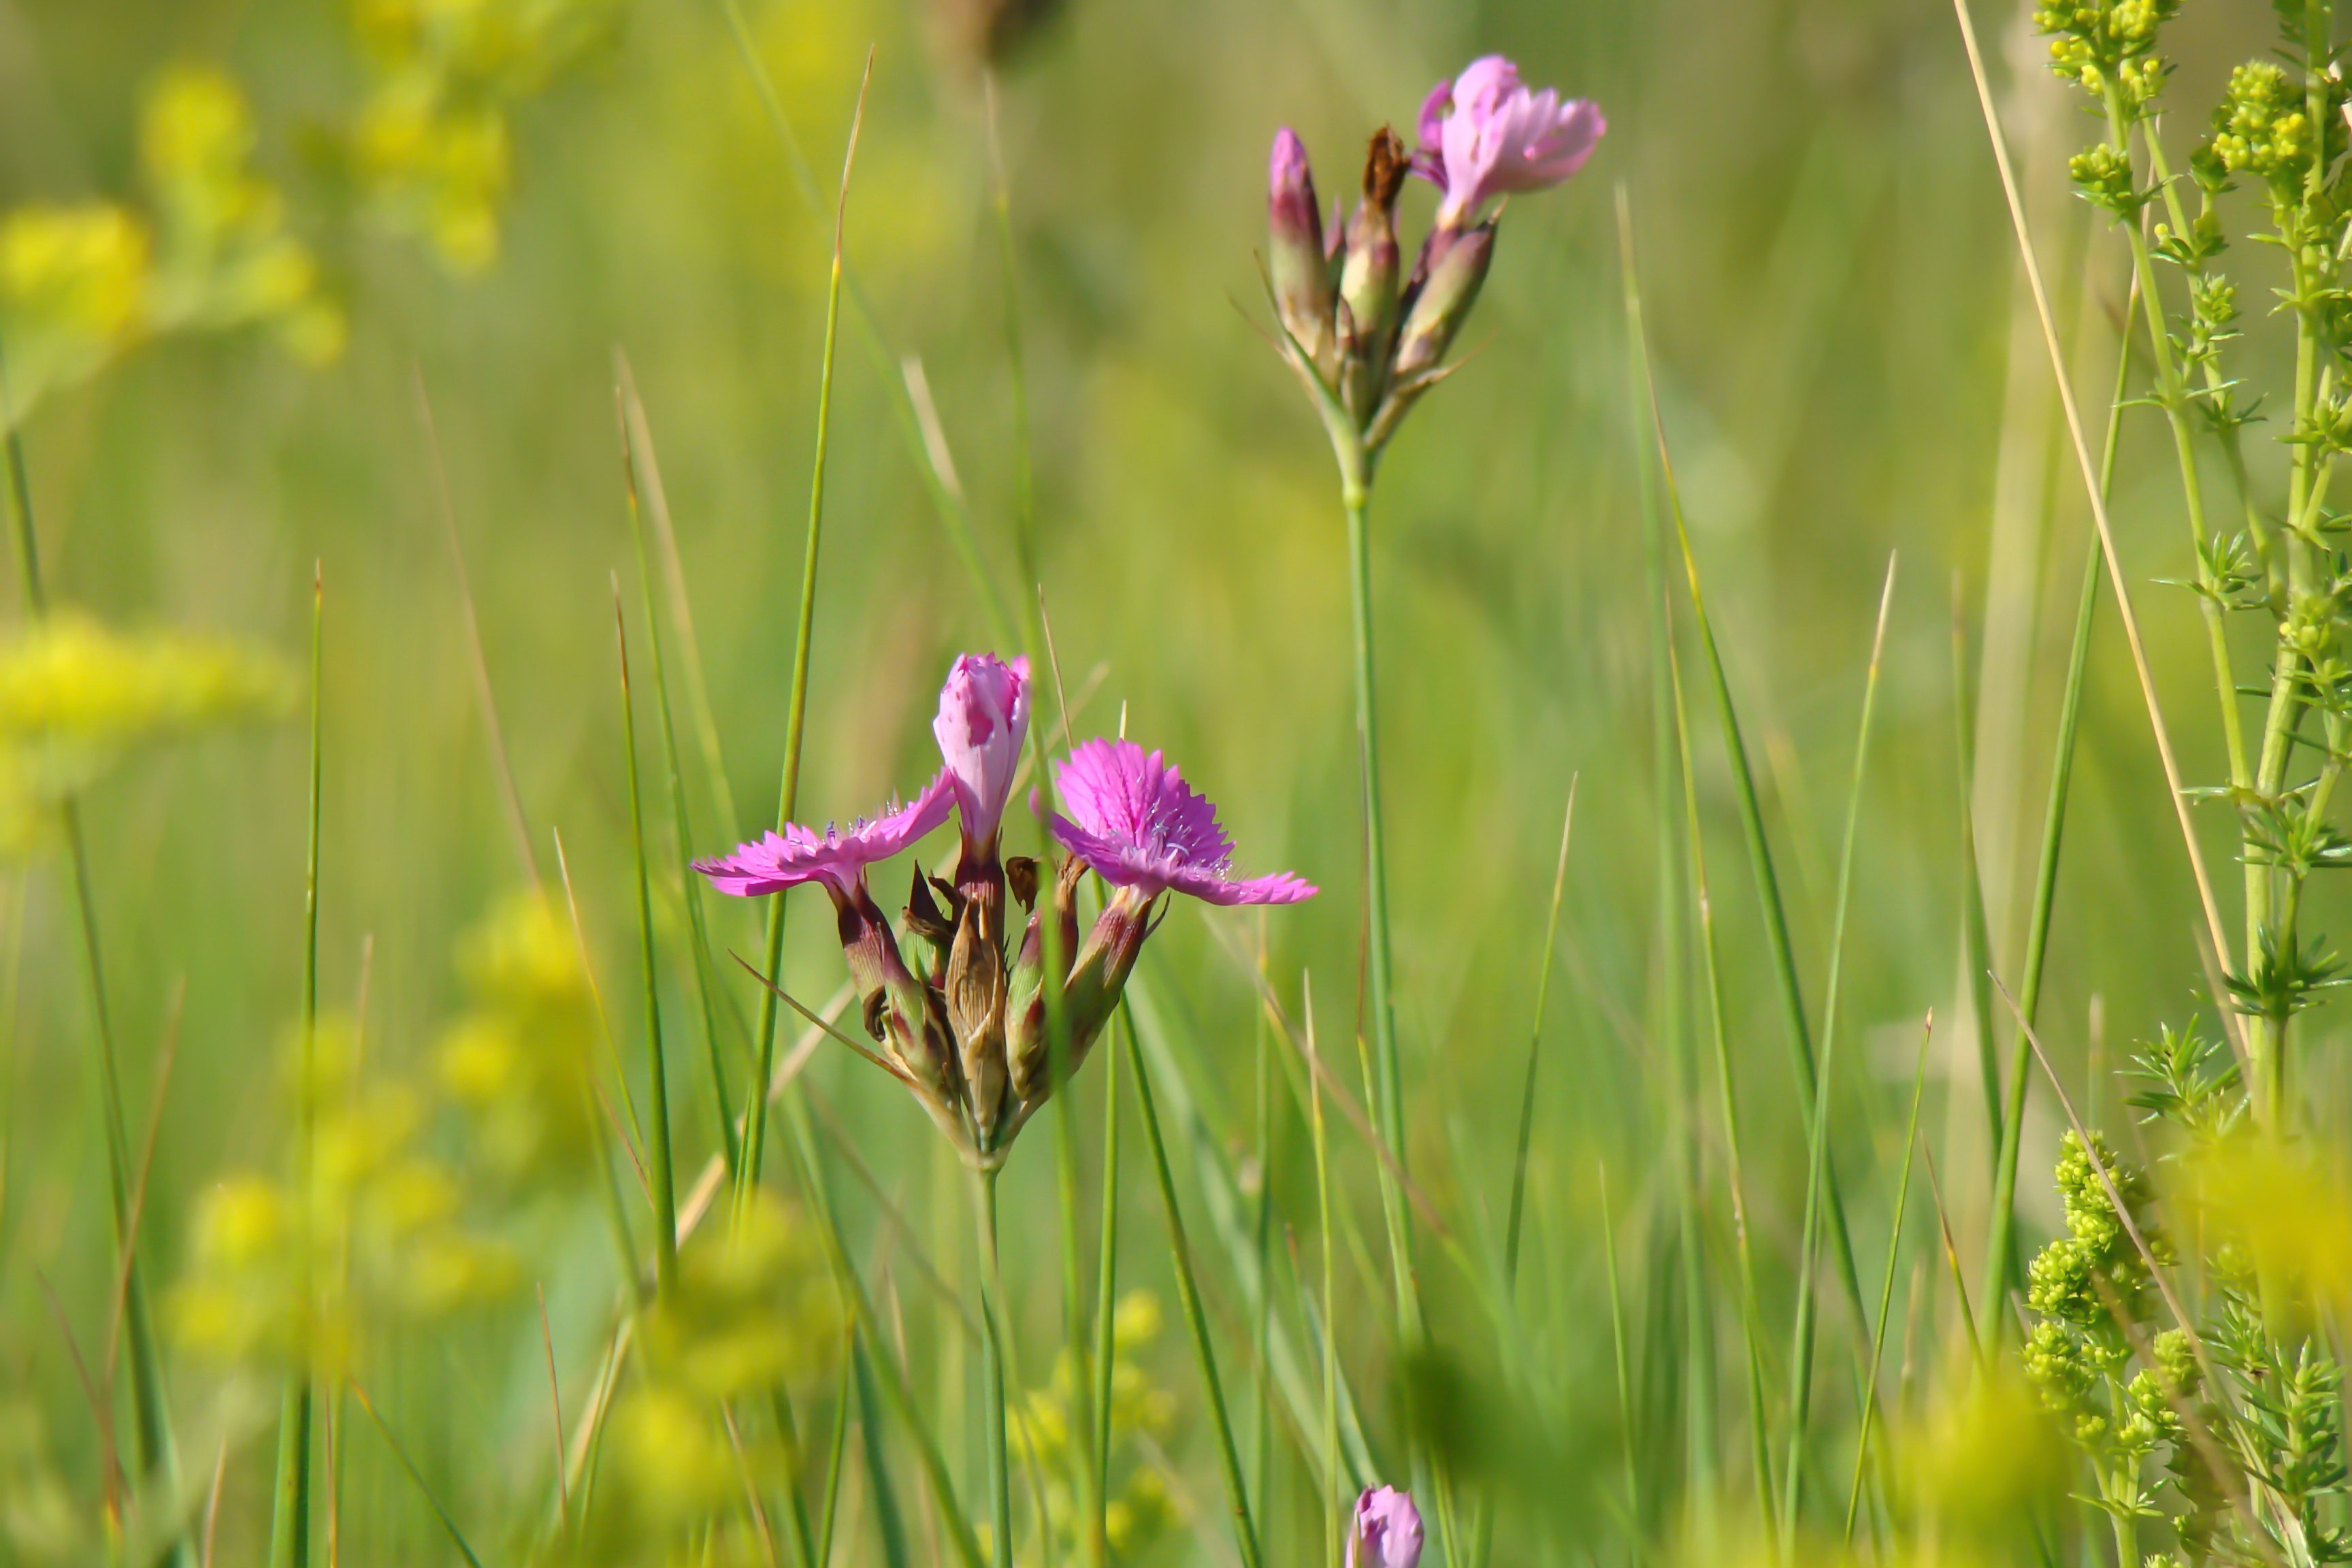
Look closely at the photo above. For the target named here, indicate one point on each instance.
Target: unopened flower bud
(1457, 264)
(1027, 1044)
(1387, 1531)
(1301, 266)
(974, 992)
(1368, 277)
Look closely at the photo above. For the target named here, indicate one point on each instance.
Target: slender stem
(837, 1448)
(1534, 1041)
(658, 1149)
(993, 1418)
(755, 1132)
(1189, 1292)
(289, 1532)
(1800, 1372)
(1759, 1439)
(151, 1414)
(1617, 1348)
(1334, 1495)
(2001, 1246)
(1886, 1288)
(690, 884)
(1106, 1264)
(1388, 1110)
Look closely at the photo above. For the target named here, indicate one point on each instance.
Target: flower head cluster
(1368, 338)
(2262, 127)
(965, 1024)
(210, 251)
(431, 145)
(2101, 43)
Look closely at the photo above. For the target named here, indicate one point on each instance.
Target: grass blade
(1534, 1041)
(657, 1150)
(1188, 1291)
(1801, 1360)
(152, 1420)
(1760, 1437)
(289, 1527)
(1886, 1289)
(682, 820)
(755, 1132)
(2001, 1244)
(1701, 1439)
(416, 1477)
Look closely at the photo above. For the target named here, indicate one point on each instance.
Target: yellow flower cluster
(380, 1240)
(431, 145)
(1139, 1409)
(520, 1061)
(75, 696)
(754, 1310)
(209, 251)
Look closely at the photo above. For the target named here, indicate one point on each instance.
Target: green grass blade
(1534, 1043)
(755, 1132)
(290, 1523)
(1622, 1365)
(1188, 1291)
(888, 1521)
(658, 1173)
(416, 1477)
(1726, 1090)
(1800, 1359)
(2000, 1242)
(1702, 1443)
(1107, 1258)
(829, 1515)
(681, 819)
(1975, 936)
(955, 520)
(151, 1414)
(1335, 1501)
(1886, 1288)
(890, 1377)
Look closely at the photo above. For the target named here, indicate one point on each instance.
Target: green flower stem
(658, 1171)
(151, 1416)
(1107, 1264)
(993, 1417)
(1355, 495)
(1887, 1287)
(2000, 1245)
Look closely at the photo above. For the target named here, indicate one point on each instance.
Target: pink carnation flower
(982, 722)
(779, 861)
(1484, 134)
(1134, 819)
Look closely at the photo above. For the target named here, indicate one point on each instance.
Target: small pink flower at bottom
(1387, 1531)
(1484, 134)
(775, 861)
(1133, 819)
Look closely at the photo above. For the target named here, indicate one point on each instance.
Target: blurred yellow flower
(520, 1062)
(73, 294)
(2285, 1211)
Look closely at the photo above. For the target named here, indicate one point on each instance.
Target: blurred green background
(1846, 370)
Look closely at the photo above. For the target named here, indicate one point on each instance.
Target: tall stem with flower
(964, 1024)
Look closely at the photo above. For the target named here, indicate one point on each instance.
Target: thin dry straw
(509, 797)
(2000, 1262)
(764, 1040)
(2090, 479)
(1801, 1360)
(658, 1150)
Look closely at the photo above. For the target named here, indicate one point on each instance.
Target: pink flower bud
(1387, 1532)
(1301, 266)
(982, 723)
